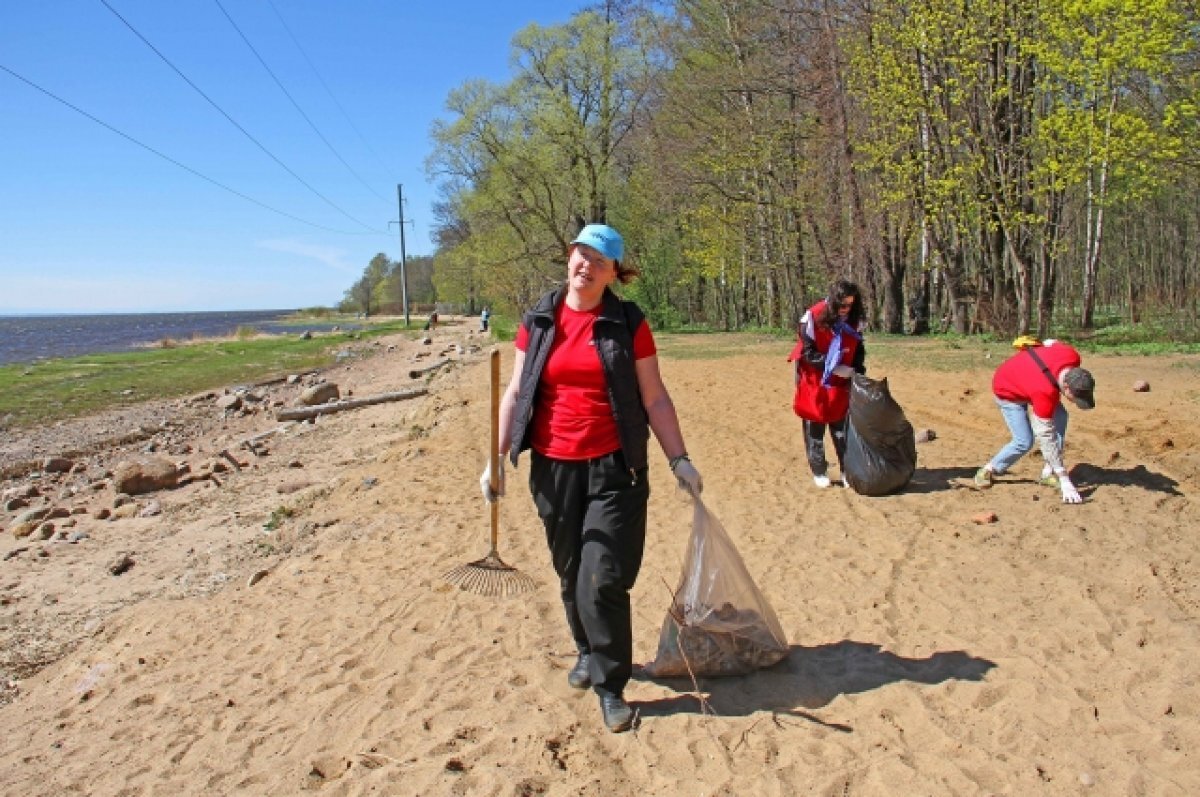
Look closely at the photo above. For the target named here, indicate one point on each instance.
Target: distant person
(829, 352)
(431, 323)
(585, 394)
(1029, 388)
(484, 317)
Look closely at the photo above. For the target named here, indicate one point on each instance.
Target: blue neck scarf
(833, 357)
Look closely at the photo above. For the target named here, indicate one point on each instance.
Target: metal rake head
(491, 577)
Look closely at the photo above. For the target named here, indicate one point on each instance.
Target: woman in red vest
(829, 352)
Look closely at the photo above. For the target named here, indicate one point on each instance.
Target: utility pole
(403, 257)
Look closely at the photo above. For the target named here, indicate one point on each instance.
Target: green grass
(51, 390)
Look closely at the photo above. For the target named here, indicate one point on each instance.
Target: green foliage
(278, 516)
(51, 390)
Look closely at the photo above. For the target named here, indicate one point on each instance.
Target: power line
(329, 91)
(168, 158)
(295, 104)
(231, 120)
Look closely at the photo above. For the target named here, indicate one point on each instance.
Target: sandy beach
(290, 630)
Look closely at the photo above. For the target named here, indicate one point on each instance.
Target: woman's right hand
(485, 483)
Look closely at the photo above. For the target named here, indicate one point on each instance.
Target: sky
(170, 171)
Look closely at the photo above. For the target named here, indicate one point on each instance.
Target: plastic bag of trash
(881, 448)
(718, 623)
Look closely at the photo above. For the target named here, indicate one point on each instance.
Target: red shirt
(572, 416)
(1020, 378)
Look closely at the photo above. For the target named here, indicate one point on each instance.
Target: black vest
(613, 335)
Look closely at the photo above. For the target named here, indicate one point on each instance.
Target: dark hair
(839, 292)
(625, 274)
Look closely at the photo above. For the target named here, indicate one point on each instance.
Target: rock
(984, 518)
(120, 564)
(32, 515)
(126, 511)
(319, 394)
(151, 509)
(926, 435)
(229, 403)
(24, 491)
(1141, 386)
(256, 577)
(57, 465)
(144, 475)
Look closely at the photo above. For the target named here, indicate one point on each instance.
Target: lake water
(34, 337)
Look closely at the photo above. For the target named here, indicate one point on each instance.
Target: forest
(976, 166)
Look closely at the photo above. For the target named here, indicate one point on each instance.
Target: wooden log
(416, 372)
(303, 413)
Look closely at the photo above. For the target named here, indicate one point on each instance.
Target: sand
(1055, 650)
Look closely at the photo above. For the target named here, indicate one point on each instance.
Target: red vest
(814, 401)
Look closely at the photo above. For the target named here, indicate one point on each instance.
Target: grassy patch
(51, 390)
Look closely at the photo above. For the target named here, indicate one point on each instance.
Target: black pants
(814, 444)
(595, 517)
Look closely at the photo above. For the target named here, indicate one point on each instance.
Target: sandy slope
(1055, 651)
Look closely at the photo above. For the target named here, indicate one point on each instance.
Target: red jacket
(814, 401)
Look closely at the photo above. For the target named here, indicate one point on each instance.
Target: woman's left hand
(688, 477)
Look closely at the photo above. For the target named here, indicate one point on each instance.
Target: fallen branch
(303, 413)
(414, 373)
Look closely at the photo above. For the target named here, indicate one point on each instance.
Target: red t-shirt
(572, 417)
(1020, 378)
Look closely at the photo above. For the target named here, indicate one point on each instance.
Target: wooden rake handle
(494, 447)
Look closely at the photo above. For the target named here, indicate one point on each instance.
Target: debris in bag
(719, 623)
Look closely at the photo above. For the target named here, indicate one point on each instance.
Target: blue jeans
(1016, 418)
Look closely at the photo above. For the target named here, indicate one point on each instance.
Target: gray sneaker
(983, 478)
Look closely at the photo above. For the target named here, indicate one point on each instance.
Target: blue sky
(91, 222)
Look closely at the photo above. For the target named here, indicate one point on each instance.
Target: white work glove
(485, 483)
(1069, 493)
(844, 371)
(688, 477)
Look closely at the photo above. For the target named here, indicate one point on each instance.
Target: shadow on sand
(1091, 476)
(935, 480)
(810, 678)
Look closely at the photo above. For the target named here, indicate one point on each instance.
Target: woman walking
(585, 394)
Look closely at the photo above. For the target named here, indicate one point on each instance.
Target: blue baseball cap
(603, 239)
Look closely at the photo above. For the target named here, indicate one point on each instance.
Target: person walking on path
(829, 352)
(584, 395)
(484, 317)
(1029, 387)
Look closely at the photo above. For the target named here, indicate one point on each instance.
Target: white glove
(843, 371)
(688, 477)
(485, 482)
(1069, 493)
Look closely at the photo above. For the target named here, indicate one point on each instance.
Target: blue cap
(603, 239)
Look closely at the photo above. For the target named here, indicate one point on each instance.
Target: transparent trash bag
(719, 623)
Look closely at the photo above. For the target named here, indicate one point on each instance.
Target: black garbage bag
(881, 449)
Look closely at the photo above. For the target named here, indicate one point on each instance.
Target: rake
(491, 576)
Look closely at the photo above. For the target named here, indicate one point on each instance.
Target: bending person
(1028, 388)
